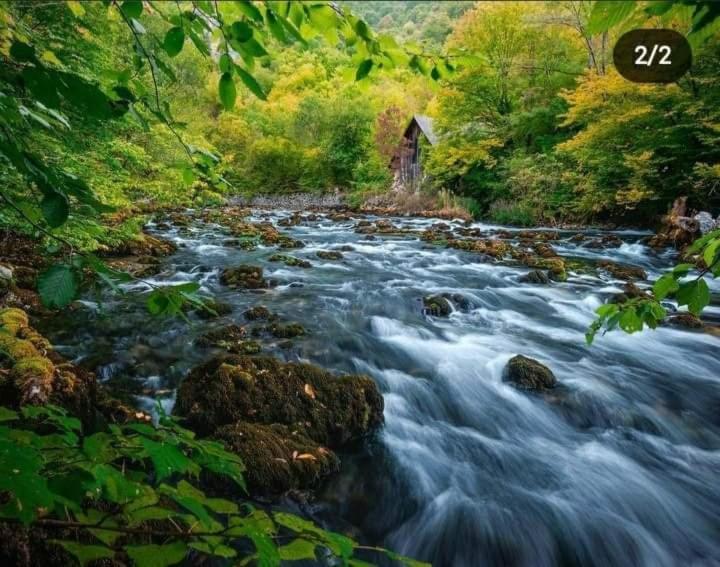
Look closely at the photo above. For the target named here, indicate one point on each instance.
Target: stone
(331, 410)
(329, 254)
(535, 277)
(437, 306)
(528, 374)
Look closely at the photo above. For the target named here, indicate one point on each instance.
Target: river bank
(433, 311)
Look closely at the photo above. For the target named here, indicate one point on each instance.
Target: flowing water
(618, 466)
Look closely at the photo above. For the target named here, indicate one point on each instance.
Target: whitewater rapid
(618, 466)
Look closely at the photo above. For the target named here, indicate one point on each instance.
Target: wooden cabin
(407, 161)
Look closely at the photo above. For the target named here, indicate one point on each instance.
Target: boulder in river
(244, 277)
(622, 271)
(277, 458)
(437, 306)
(535, 277)
(528, 374)
(684, 320)
(258, 312)
(330, 410)
(143, 245)
(291, 261)
(329, 254)
(231, 338)
(287, 330)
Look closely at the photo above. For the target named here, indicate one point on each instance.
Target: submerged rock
(528, 374)
(437, 306)
(244, 277)
(330, 410)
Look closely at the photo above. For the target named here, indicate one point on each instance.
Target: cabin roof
(425, 123)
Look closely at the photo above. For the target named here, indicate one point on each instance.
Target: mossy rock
(684, 320)
(15, 348)
(528, 374)
(257, 313)
(622, 271)
(287, 330)
(290, 261)
(228, 333)
(330, 410)
(276, 458)
(214, 309)
(244, 277)
(143, 245)
(537, 277)
(329, 255)
(13, 319)
(437, 306)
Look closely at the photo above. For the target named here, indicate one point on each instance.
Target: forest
(233, 331)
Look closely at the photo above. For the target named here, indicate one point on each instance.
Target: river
(619, 465)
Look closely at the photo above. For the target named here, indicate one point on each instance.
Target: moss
(622, 271)
(437, 306)
(290, 261)
(33, 377)
(16, 349)
(494, 248)
(329, 254)
(13, 319)
(214, 309)
(287, 330)
(330, 410)
(276, 458)
(257, 312)
(244, 277)
(30, 334)
(528, 374)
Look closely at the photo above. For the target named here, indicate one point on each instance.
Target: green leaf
(8, 415)
(607, 309)
(22, 52)
(157, 555)
(132, 8)
(174, 40)
(167, 458)
(241, 31)
(249, 10)
(226, 63)
(76, 8)
(322, 17)
(85, 553)
(694, 294)
(250, 82)
(55, 208)
(665, 286)
(275, 27)
(363, 69)
(630, 322)
(606, 15)
(226, 87)
(218, 550)
(711, 254)
(298, 549)
(58, 286)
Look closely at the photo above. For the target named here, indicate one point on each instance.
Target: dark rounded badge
(652, 56)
